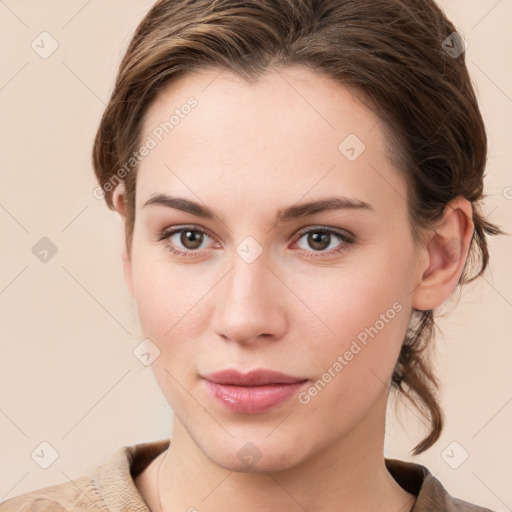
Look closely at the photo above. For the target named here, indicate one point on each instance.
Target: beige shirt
(110, 487)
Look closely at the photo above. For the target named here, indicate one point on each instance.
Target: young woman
(300, 184)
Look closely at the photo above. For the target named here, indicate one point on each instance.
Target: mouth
(253, 392)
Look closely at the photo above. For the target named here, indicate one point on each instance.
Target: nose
(250, 303)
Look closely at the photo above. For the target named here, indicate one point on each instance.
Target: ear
(119, 202)
(442, 259)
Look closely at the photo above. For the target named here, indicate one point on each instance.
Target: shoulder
(458, 505)
(109, 487)
(429, 491)
(79, 495)
(436, 494)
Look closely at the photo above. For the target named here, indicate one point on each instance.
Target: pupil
(191, 237)
(319, 238)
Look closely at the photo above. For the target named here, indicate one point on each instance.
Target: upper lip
(253, 378)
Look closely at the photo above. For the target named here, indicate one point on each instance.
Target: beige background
(67, 372)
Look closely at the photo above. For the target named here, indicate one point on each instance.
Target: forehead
(291, 133)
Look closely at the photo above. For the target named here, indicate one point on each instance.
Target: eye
(186, 241)
(188, 238)
(319, 239)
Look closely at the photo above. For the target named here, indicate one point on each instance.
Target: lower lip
(252, 399)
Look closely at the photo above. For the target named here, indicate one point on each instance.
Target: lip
(260, 377)
(254, 392)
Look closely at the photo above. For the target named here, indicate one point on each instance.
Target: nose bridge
(249, 304)
(247, 279)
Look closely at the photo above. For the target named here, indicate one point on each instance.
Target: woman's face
(246, 292)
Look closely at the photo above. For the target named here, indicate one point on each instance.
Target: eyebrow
(287, 214)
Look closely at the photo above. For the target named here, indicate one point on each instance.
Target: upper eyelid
(336, 231)
(167, 232)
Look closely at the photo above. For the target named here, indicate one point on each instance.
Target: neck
(347, 475)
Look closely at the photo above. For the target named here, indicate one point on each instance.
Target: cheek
(170, 315)
(353, 367)
(345, 301)
(362, 315)
(166, 294)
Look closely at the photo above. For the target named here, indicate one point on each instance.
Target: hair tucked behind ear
(414, 378)
(389, 52)
(413, 375)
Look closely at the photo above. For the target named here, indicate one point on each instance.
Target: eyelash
(346, 240)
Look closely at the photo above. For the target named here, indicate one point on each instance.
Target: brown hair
(401, 56)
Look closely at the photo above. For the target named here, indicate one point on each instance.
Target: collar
(114, 479)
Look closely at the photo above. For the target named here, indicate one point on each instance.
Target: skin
(246, 151)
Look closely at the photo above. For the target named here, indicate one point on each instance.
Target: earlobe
(444, 255)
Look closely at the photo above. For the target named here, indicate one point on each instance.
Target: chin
(259, 457)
